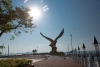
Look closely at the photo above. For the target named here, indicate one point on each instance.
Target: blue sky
(81, 18)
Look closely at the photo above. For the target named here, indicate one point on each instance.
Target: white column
(85, 62)
(90, 61)
(82, 62)
(98, 63)
(77, 58)
(8, 50)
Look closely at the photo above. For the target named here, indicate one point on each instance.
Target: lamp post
(96, 46)
(8, 50)
(68, 49)
(71, 42)
(84, 49)
(79, 51)
(37, 49)
(75, 52)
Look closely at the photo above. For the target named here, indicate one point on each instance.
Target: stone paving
(56, 61)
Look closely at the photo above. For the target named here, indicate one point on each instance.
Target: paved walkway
(56, 61)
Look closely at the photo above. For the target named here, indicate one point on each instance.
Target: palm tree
(2, 47)
(34, 51)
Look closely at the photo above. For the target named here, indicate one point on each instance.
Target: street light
(79, 51)
(71, 41)
(75, 52)
(84, 49)
(96, 46)
(8, 50)
(37, 49)
(68, 49)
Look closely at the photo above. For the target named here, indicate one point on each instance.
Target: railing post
(85, 62)
(98, 63)
(82, 60)
(78, 58)
(90, 61)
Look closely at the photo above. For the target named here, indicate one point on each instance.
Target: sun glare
(35, 12)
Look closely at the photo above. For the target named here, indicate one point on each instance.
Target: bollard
(90, 61)
(98, 63)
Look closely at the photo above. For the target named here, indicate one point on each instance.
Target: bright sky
(81, 18)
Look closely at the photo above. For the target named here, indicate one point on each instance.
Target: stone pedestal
(54, 49)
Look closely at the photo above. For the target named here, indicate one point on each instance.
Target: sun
(35, 12)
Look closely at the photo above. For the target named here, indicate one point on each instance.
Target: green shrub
(61, 53)
(57, 53)
(52, 53)
(4, 64)
(23, 63)
(15, 63)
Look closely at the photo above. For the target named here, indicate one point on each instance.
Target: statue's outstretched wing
(47, 37)
(60, 34)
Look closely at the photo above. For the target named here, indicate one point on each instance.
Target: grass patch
(15, 63)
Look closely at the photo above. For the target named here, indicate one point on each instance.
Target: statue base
(57, 53)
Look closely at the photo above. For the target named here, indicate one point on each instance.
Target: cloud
(45, 8)
(25, 1)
